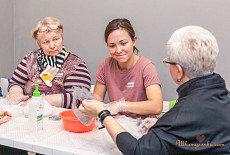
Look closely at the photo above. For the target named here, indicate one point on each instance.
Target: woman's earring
(178, 80)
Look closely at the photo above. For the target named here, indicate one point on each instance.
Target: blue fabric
(1, 89)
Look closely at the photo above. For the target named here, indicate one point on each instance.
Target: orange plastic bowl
(73, 124)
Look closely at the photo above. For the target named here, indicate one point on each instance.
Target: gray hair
(45, 22)
(195, 49)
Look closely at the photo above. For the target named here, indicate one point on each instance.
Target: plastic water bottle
(35, 114)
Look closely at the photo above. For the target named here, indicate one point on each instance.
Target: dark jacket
(198, 124)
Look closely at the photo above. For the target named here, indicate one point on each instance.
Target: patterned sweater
(72, 73)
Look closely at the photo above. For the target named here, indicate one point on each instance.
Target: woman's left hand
(91, 107)
(116, 106)
(25, 103)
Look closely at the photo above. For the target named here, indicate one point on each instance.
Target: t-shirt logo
(131, 84)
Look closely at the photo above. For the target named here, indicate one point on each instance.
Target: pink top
(131, 83)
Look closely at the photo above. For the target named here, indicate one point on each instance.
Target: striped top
(72, 73)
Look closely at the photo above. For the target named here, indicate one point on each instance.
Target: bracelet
(102, 115)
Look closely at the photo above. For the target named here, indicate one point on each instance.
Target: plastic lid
(36, 93)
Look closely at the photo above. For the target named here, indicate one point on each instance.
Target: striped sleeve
(80, 78)
(20, 76)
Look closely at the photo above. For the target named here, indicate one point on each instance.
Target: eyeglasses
(167, 61)
(51, 27)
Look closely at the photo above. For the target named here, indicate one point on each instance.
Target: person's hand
(146, 124)
(25, 103)
(4, 116)
(16, 95)
(91, 107)
(116, 106)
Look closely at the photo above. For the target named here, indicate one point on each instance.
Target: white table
(54, 140)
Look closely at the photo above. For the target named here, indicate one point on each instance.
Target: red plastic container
(73, 124)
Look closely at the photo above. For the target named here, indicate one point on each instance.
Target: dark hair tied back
(120, 23)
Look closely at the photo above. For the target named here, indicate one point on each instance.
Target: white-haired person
(51, 66)
(199, 123)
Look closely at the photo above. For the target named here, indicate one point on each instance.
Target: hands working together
(93, 107)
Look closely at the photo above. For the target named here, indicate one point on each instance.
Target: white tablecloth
(53, 139)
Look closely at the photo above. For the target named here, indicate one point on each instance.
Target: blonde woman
(51, 66)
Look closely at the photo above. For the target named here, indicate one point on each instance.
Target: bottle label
(40, 117)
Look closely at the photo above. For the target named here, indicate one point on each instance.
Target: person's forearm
(99, 98)
(54, 100)
(16, 88)
(153, 104)
(113, 127)
(145, 107)
(99, 91)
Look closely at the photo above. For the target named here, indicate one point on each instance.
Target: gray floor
(4, 150)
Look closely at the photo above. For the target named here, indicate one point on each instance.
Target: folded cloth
(5, 116)
(48, 75)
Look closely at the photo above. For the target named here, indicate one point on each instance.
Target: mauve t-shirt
(130, 83)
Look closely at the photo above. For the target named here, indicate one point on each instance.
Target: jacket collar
(198, 82)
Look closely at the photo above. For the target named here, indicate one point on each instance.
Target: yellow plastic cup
(172, 103)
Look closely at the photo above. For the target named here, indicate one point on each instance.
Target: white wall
(85, 21)
(6, 38)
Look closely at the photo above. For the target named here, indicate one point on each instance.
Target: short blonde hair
(45, 22)
(195, 49)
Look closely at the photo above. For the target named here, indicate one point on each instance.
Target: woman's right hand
(16, 95)
(146, 124)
